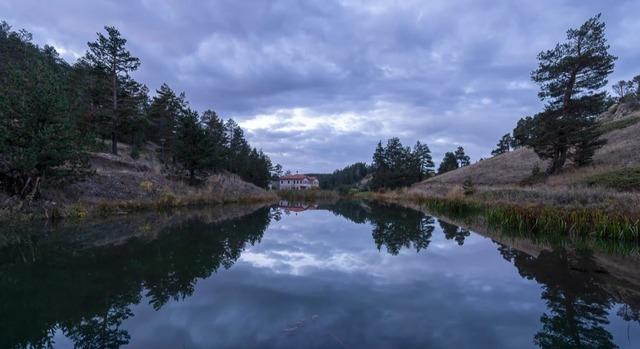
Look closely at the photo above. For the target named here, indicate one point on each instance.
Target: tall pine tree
(108, 53)
(449, 163)
(571, 77)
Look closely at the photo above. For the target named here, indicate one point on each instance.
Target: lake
(336, 275)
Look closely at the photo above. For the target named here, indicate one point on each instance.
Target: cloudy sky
(316, 84)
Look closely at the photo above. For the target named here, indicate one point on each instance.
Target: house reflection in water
(295, 207)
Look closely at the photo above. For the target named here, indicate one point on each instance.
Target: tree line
(571, 77)
(52, 114)
(344, 178)
(395, 165)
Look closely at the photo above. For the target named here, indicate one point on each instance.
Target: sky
(316, 84)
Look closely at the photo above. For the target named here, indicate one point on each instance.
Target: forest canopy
(53, 114)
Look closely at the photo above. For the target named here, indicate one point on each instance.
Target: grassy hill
(613, 179)
(121, 184)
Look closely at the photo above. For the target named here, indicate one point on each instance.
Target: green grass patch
(618, 124)
(627, 179)
(548, 220)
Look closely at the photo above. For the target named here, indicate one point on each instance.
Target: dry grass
(122, 184)
(510, 169)
(553, 214)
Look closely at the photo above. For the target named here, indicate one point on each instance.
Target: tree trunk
(558, 160)
(114, 122)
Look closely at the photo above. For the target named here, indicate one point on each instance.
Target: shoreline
(88, 210)
(537, 219)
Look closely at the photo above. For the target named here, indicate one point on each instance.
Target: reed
(548, 220)
(168, 201)
(594, 223)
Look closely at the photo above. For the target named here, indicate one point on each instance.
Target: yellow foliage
(146, 185)
(78, 211)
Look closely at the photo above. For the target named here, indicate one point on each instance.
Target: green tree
(192, 146)
(239, 149)
(523, 132)
(108, 53)
(395, 165)
(571, 77)
(132, 112)
(422, 154)
(165, 111)
(623, 88)
(380, 167)
(449, 163)
(504, 145)
(462, 158)
(217, 140)
(41, 137)
(276, 172)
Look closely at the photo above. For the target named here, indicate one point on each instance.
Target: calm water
(347, 275)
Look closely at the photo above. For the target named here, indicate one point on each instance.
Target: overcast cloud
(316, 84)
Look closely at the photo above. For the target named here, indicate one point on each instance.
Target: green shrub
(135, 152)
(627, 179)
(537, 176)
(468, 187)
(618, 124)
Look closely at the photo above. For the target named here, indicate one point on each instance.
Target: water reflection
(309, 278)
(87, 294)
(578, 304)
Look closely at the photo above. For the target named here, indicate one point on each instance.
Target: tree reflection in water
(87, 294)
(578, 304)
(452, 231)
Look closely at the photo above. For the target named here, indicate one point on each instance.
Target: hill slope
(506, 172)
(120, 184)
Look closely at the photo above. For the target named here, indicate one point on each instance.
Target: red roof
(297, 177)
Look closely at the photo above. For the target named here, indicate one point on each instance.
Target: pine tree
(132, 112)
(504, 145)
(40, 137)
(239, 149)
(570, 78)
(462, 158)
(380, 167)
(165, 111)
(422, 153)
(215, 130)
(108, 53)
(191, 149)
(449, 163)
(523, 132)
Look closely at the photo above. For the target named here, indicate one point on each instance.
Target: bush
(537, 176)
(146, 185)
(468, 187)
(627, 179)
(78, 211)
(135, 152)
(618, 124)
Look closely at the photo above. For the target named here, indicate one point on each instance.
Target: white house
(298, 182)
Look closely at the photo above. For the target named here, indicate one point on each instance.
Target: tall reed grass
(536, 220)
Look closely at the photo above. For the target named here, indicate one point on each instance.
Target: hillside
(121, 184)
(508, 172)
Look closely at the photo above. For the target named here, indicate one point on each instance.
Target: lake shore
(120, 185)
(526, 216)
